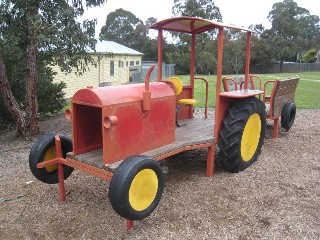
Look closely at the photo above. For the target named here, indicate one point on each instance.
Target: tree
(293, 30)
(310, 56)
(121, 27)
(125, 28)
(197, 8)
(205, 9)
(259, 50)
(34, 32)
(205, 53)
(234, 50)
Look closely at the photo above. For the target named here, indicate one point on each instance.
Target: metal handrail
(206, 103)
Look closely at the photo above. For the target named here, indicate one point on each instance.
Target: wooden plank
(279, 102)
(287, 82)
(93, 158)
(286, 90)
(195, 127)
(195, 132)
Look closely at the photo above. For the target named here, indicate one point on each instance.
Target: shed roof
(113, 47)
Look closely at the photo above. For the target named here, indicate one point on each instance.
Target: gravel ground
(276, 198)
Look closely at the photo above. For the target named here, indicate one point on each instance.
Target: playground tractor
(120, 133)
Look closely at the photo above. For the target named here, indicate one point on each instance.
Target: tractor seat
(177, 83)
(188, 101)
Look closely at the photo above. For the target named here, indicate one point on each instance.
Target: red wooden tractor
(120, 133)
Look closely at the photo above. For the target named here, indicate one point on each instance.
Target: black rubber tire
(121, 182)
(288, 115)
(232, 132)
(37, 155)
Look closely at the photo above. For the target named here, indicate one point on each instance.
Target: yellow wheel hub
(50, 154)
(143, 189)
(250, 137)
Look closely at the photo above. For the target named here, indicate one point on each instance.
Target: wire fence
(167, 70)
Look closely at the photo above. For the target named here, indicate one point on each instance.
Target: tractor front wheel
(136, 187)
(242, 134)
(44, 150)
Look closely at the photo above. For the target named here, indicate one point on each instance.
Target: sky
(237, 12)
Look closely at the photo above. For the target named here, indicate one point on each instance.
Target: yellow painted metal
(143, 189)
(250, 137)
(50, 154)
(177, 84)
(188, 101)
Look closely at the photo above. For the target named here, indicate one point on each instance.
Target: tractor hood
(112, 95)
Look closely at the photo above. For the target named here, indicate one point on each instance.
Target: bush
(50, 97)
(310, 56)
(6, 121)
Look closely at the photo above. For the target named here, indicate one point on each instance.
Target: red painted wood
(62, 191)
(129, 224)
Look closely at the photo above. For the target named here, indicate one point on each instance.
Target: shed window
(111, 68)
(131, 63)
(137, 63)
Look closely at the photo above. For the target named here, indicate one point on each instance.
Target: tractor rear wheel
(242, 134)
(44, 150)
(288, 115)
(136, 187)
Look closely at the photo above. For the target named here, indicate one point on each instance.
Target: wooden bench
(281, 103)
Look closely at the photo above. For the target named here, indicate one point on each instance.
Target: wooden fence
(286, 67)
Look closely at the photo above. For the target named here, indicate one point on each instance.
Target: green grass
(307, 94)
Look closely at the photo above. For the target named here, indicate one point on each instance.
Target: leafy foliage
(293, 30)
(125, 28)
(205, 49)
(33, 36)
(310, 56)
(197, 8)
(122, 26)
(51, 96)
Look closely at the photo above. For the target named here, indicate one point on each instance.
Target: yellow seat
(177, 83)
(188, 101)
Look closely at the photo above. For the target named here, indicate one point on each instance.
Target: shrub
(50, 97)
(310, 56)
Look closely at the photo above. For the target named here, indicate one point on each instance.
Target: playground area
(276, 198)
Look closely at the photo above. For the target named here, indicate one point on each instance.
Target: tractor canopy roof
(191, 25)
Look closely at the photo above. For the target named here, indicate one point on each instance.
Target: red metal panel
(138, 131)
(220, 106)
(113, 118)
(106, 96)
(132, 129)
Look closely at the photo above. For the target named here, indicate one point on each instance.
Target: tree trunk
(32, 125)
(281, 65)
(27, 122)
(10, 101)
